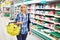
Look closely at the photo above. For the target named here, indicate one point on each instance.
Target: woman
(23, 20)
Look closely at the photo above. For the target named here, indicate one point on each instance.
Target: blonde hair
(23, 5)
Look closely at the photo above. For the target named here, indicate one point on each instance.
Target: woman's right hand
(19, 23)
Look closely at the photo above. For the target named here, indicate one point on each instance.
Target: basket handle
(11, 22)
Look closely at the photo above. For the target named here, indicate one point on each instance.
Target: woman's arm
(19, 22)
(28, 22)
(18, 19)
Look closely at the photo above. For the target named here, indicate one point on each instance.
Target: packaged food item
(51, 13)
(57, 27)
(52, 6)
(55, 35)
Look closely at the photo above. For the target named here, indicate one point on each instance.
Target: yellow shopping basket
(13, 29)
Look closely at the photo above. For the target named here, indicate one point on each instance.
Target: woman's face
(23, 8)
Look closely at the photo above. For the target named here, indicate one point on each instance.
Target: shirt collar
(22, 14)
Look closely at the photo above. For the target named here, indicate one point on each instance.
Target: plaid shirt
(24, 26)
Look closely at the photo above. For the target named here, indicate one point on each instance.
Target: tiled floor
(5, 36)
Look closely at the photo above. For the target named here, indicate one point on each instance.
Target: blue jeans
(22, 36)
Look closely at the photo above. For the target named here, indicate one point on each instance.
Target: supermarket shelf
(41, 19)
(49, 28)
(49, 15)
(37, 14)
(37, 23)
(57, 23)
(57, 9)
(43, 14)
(56, 30)
(44, 20)
(45, 9)
(49, 21)
(57, 16)
(43, 25)
(44, 34)
(37, 19)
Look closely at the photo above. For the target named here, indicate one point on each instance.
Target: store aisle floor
(5, 36)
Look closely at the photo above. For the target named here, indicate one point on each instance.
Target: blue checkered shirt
(24, 26)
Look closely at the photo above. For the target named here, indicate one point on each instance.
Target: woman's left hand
(29, 32)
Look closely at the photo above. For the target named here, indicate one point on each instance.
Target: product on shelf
(57, 21)
(46, 12)
(57, 13)
(7, 14)
(57, 27)
(32, 11)
(28, 7)
(32, 6)
(29, 11)
(49, 6)
(49, 19)
(37, 21)
(40, 27)
(58, 6)
(49, 13)
(32, 16)
(46, 6)
(32, 20)
(37, 17)
(41, 17)
(38, 6)
(41, 22)
(39, 12)
(47, 31)
(34, 26)
(56, 35)
(48, 25)
(52, 6)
